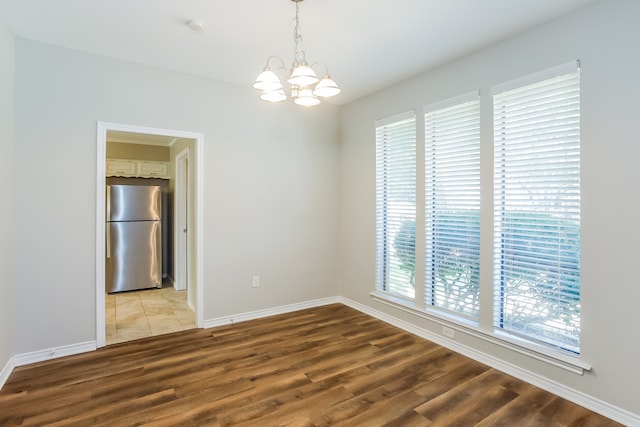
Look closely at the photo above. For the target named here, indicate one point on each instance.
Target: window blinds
(396, 204)
(452, 206)
(537, 209)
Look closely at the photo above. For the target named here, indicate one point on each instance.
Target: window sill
(542, 353)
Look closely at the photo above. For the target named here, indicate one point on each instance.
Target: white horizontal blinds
(452, 207)
(396, 204)
(537, 210)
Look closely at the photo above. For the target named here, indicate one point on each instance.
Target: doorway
(188, 274)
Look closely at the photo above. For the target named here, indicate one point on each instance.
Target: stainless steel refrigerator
(133, 238)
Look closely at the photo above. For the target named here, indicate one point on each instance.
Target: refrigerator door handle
(108, 228)
(108, 203)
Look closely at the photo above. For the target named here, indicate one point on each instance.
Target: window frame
(447, 181)
(397, 133)
(535, 281)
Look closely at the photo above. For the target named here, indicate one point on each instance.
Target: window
(537, 208)
(530, 302)
(452, 206)
(396, 205)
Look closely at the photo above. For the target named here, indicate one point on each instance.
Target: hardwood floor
(326, 366)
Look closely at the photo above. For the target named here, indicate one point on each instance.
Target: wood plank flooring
(326, 366)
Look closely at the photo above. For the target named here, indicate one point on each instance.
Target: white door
(181, 281)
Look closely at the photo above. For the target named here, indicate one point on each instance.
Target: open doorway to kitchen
(131, 156)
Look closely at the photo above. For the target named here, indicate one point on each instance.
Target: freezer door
(134, 203)
(134, 258)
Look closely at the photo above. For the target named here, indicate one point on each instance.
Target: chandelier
(305, 87)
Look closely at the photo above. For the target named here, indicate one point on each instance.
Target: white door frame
(197, 281)
(181, 218)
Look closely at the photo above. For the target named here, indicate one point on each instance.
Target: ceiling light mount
(196, 25)
(306, 88)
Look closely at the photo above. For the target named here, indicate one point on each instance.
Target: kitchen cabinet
(153, 169)
(121, 167)
(137, 168)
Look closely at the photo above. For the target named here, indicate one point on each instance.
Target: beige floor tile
(130, 314)
(187, 320)
(140, 314)
(132, 334)
(110, 301)
(164, 326)
(110, 312)
(157, 309)
(187, 324)
(111, 330)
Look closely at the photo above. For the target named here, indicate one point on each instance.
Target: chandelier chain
(298, 54)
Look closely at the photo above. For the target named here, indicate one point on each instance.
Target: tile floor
(139, 314)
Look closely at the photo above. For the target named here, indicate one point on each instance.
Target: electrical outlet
(448, 332)
(256, 281)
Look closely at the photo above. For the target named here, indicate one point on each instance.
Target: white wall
(270, 175)
(6, 187)
(604, 37)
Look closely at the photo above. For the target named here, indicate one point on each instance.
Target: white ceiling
(366, 44)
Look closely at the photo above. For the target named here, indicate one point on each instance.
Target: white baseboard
(42, 355)
(252, 315)
(6, 371)
(610, 411)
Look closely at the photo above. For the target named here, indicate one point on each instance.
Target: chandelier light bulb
(267, 81)
(326, 88)
(273, 96)
(306, 98)
(303, 76)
